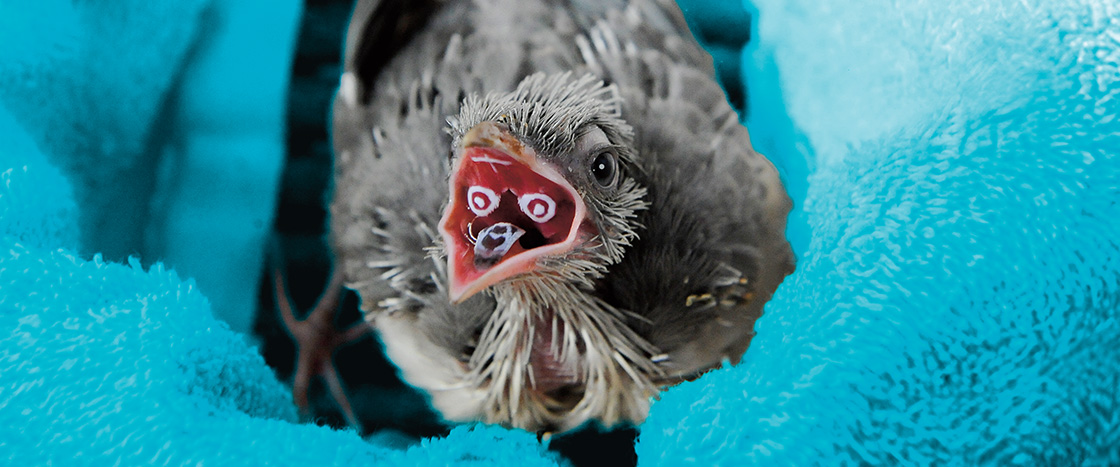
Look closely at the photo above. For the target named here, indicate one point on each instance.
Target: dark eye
(604, 169)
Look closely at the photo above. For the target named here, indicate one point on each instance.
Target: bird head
(541, 185)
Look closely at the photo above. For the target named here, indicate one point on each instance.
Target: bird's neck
(544, 318)
(546, 338)
(539, 293)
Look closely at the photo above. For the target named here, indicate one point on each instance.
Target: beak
(508, 209)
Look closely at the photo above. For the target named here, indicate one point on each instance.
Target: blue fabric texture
(37, 207)
(168, 120)
(88, 84)
(105, 362)
(956, 301)
(956, 180)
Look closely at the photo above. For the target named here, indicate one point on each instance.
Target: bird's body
(537, 248)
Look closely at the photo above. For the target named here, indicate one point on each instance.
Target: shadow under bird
(548, 208)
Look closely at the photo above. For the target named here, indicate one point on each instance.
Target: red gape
(491, 187)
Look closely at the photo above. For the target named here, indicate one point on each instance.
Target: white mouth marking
(491, 161)
(481, 200)
(538, 206)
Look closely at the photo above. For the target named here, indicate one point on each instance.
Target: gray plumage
(689, 241)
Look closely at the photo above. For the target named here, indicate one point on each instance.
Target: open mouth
(507, 209)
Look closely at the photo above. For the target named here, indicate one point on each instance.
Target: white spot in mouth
(481, 200)
(538, 206)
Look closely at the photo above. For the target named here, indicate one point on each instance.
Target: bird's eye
(604, 169)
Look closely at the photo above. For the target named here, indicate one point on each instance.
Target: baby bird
(547, 207)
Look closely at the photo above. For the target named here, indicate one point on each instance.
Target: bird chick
(547, 208)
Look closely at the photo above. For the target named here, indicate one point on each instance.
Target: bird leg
(316, 340)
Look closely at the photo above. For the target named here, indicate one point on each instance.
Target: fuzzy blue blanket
(955, 168)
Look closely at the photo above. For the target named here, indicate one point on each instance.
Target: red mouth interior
(522, 194)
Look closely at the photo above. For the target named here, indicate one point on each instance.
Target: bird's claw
(316, 340)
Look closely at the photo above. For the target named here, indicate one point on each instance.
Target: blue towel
(168, 119)
(104, 362)
(955, 172)
(956, 298)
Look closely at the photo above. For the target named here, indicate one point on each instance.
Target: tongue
(494, 242)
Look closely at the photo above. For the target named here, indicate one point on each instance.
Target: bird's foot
(316, 340)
